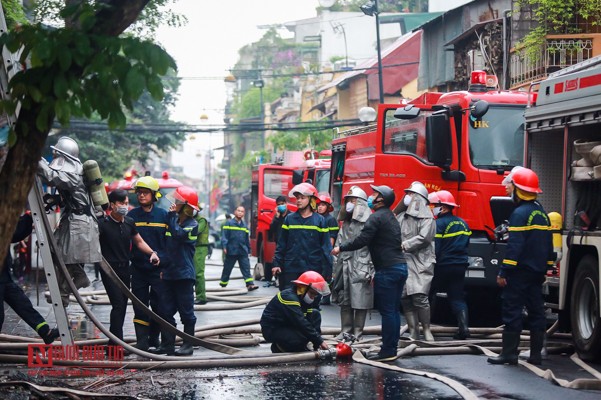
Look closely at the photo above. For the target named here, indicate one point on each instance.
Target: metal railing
(556, 54)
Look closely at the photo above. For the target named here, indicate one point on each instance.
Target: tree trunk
(16, 177)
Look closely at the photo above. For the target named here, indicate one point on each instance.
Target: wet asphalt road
(317, 380)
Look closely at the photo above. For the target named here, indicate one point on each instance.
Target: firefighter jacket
(235, 238)
(530, 244)
(332, 225)
(382, 234)
(203, 231)
(181, 238)
(287, 309)
(304, 245)
(23, 229)
(77, 235)
(452, 240)
(417, 234)
(353, 270)
(152, 226)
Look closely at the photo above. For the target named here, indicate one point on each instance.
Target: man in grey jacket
(77, 233)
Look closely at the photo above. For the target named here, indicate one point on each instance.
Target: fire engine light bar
(478, 78)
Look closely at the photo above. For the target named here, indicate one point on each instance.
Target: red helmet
(526, 180)
(186, 195)
(343, 350)
(325, 198)
(305, 189)
(445, 197)
(314, 281)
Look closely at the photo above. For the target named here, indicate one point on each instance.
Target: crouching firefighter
(77, 234)
(290, 320)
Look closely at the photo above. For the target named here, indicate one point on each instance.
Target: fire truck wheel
(586, 324)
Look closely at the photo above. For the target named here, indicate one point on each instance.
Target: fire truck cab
(272, 180)
(464, 142)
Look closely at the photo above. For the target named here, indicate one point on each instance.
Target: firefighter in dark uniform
(304, 243)
(324, 208)
(451, 242)
(235, 241)
(13, 295)
(289, 320)
(529, 254)
(179, 275)
(151, 223)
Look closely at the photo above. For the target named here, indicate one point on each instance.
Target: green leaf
(41, 121)
(12, 137)
(64, 59)
(62, 111)
(60, 86)
(35, 93)
(134, 83)
(155, 87)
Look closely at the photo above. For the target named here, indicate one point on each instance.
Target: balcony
(560, 51)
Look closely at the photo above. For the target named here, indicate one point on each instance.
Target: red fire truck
(563, 146)
(464, 142)
(272, 180)
(166, 185)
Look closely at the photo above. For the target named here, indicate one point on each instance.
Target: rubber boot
(423, 315)
(153, 340)
(359, 323)
(346, 321)
(80, 279)
(141, 337)
(537, 340)
(186, 349)
(509, 353)
(412, 324)
(462, 322)
(49, 335)
(167, 344)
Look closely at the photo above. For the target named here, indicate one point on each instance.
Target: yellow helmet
(148, 182)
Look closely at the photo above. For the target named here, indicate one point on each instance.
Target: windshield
(497, 141)
(322, 180)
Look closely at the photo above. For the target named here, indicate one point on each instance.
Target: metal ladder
(47, 252)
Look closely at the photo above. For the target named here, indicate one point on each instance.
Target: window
(405, 136)
(277, 183)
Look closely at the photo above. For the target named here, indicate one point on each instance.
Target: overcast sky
(208, 46)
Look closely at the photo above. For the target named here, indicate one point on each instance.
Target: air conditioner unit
(476, 60)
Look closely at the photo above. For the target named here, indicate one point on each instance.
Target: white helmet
(67, 147)
(356, 191)
(419, 188)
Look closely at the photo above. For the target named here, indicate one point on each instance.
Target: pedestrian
(289, 321)
(451, 245)
(354, 271)
(382, 235)
(117, 235)
(77, 232)
(200, 256)
(13, 295)
(179, 275)
(146, 284)
(417, 234)
(275, 227)
(236, 247)
(304, 243)
(529, 253)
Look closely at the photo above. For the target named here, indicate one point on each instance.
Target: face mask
(407, 200)
(370, 202)
(308, 299)
(282, 208)
(436, 211)
(350, 207)
(121, 210)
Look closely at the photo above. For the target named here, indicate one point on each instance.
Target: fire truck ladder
(48, 253)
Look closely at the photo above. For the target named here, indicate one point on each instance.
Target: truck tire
(584, 310)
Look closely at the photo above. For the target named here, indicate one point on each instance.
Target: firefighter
(352, 288)
(529, 254)
(324, 208)
(235, 242)
(281, 211)
(65, 172)
(151, 223)
(13, 295)
(179, 275)
(382, 234)
(451, 243)
(200, 256)
(289, 320)
(304, 243)
(507, 181)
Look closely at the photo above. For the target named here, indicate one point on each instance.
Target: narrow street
(343, 379)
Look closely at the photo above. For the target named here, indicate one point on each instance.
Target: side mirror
(407, 112)
(438, 141)
(479, 108)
